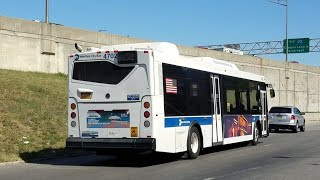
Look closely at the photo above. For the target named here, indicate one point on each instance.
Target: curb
(11, 162)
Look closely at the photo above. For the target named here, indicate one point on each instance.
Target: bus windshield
(100, 72)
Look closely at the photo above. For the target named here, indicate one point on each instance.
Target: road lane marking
(268, 145)
(210, 178)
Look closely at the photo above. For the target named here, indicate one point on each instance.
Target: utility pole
(47, 12)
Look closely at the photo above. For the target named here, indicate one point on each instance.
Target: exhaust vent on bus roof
(91, 49)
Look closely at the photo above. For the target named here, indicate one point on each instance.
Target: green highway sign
(300, 45)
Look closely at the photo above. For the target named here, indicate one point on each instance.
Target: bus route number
(111, 56)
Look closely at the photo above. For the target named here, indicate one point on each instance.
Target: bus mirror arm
(78, 47)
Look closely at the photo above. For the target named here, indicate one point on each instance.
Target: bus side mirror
(272, 93)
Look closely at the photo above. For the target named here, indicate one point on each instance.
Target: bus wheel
(255, 139)
(194, 143)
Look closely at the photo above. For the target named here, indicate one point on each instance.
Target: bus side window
(198, 98)
(236, 95)
(189, 95)
(231, 100)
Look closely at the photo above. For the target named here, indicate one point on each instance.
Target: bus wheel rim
(194, 142)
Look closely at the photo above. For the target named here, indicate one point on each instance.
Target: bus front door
(264, 123)
(216, 111)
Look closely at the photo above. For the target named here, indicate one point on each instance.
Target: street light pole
(47, 12)
(285, 67)
(287, 31)
(286, 5)
(286, 70)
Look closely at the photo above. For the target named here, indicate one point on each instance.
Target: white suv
(286, 117)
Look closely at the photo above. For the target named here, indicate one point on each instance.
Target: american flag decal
(171, 86)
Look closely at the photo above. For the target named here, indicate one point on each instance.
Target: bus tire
(193, 143)
(255, 139)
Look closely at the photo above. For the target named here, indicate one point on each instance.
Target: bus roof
(165, 52)
(165, 47)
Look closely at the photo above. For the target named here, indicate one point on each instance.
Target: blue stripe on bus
(186, 121)
(203, 120)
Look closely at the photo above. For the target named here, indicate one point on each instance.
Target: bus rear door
(216, 109)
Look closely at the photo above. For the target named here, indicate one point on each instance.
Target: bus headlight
(146, 123)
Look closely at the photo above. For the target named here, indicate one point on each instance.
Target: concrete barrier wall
(35, 46)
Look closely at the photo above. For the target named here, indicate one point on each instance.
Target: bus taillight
(146, 114)
(146, 105)
(73, 124)
(73, 106)
(146, 118)
(146, 123)
(73, 115)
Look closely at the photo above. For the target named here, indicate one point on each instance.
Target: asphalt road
(283, 155)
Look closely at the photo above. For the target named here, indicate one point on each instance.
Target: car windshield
(280, 110)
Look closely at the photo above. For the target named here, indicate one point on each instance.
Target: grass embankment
(33, 114)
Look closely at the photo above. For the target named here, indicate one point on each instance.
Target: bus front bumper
(111, 143)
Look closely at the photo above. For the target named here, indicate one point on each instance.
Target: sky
(188, 22)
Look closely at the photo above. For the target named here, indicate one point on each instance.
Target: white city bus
(147, 96)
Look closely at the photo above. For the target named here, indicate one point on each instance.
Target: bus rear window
(280, 110)
(100, 72)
